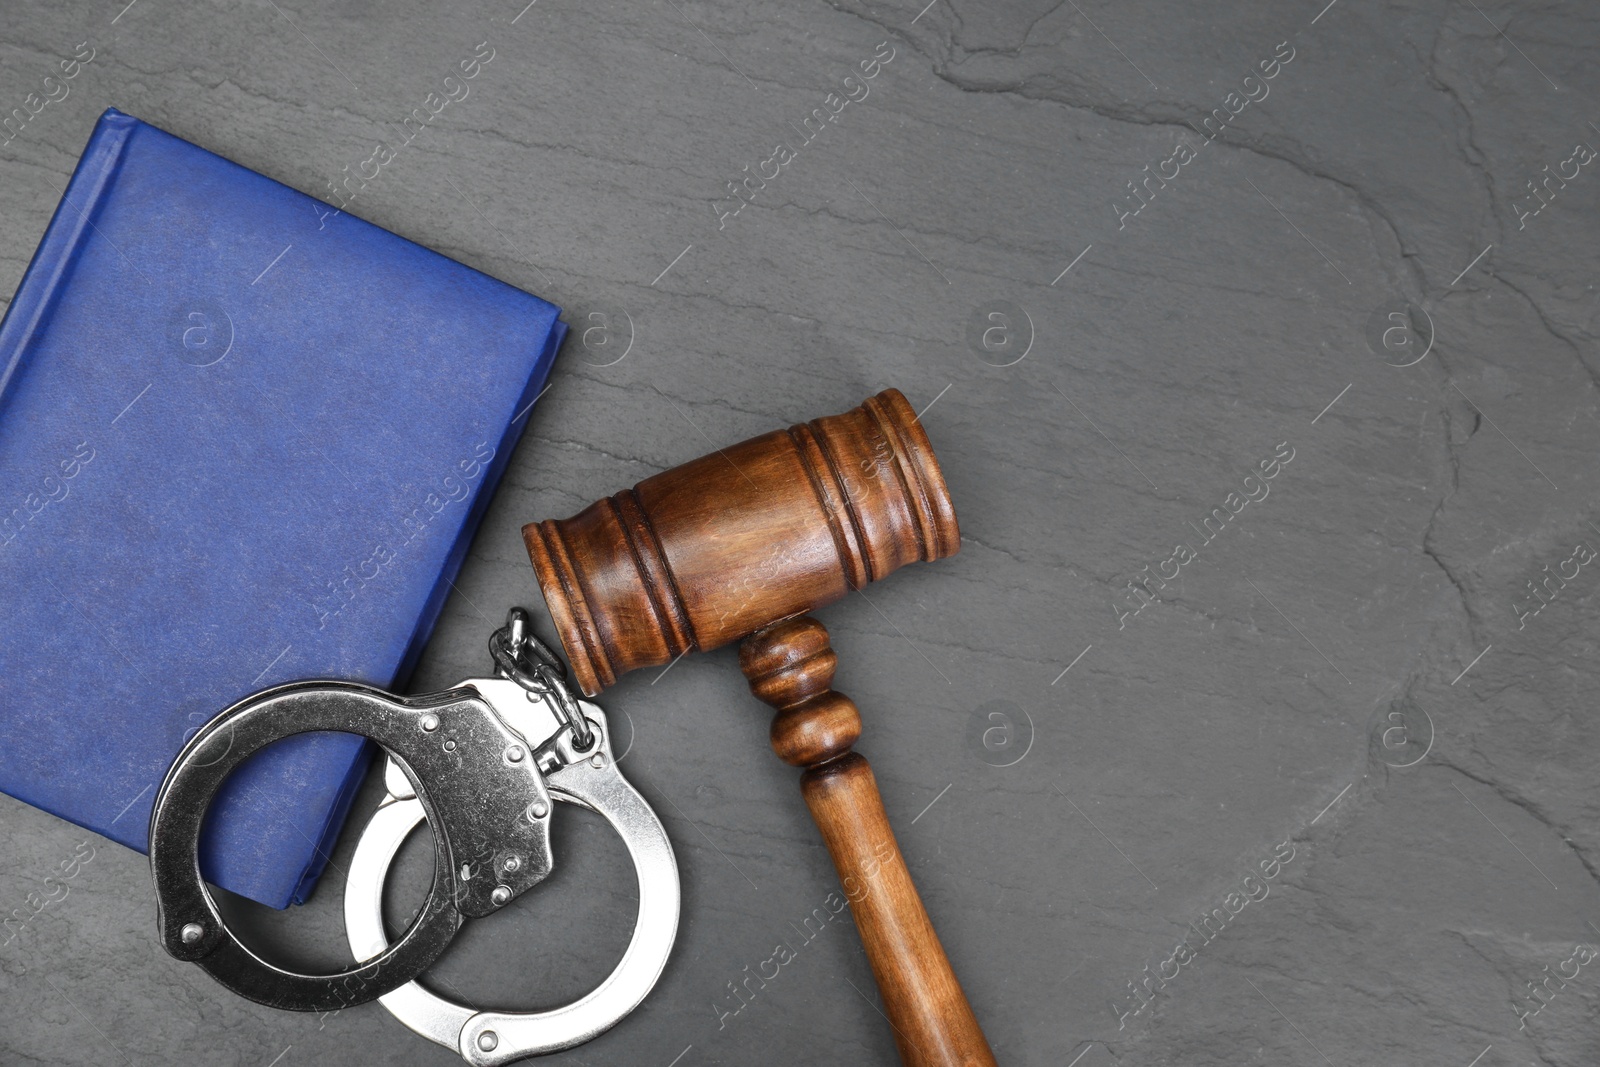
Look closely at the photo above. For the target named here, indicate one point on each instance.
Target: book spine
(72, 222)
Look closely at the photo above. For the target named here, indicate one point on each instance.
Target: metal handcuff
(481, 762)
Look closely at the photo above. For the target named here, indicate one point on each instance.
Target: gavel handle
(933, 1023)
(790, 665)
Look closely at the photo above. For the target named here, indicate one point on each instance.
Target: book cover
(244, 439)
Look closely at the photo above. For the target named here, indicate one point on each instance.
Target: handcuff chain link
(520, 656)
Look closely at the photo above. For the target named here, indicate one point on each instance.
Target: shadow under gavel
(739, 545)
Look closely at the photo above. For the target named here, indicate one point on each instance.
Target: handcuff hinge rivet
(501, 894)
(430, 722)
(192, 933)
(488, 1041)
(512, 864)
(598, 761)
(537, 810)
(514, 754)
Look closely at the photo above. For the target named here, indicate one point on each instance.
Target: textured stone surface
(1245, 709)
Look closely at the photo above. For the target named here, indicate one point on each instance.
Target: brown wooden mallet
(740, 544)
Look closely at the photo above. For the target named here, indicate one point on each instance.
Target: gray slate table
(1329, 750)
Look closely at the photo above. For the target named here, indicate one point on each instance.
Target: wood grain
(742, 543)
(705, 553)
(790, 666)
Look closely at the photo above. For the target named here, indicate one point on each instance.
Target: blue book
(244, 439)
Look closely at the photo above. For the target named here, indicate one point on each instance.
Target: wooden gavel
(740, 544)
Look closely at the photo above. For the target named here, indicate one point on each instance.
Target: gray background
(1242, 710)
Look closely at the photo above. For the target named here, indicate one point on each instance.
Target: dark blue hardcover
(244, 439)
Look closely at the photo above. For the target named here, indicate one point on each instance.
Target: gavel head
(724, 545)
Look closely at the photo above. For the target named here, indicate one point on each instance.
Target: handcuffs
(482, 763)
